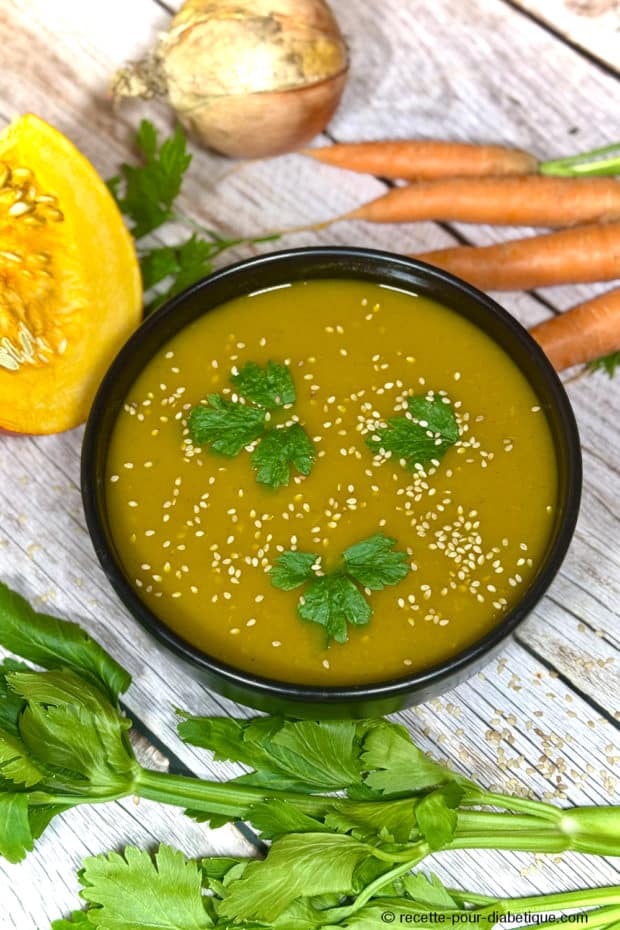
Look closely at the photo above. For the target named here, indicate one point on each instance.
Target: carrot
(585, 332)
(424, 160)
(511, 201)
(570, 256)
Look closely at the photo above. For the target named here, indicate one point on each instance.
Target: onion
(249, 78)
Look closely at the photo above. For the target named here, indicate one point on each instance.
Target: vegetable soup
(331, 483)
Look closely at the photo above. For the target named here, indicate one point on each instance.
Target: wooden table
(541, 74)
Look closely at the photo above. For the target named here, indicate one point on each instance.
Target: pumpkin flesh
(70, 287)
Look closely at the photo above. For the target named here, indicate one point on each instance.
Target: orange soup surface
(199, 536)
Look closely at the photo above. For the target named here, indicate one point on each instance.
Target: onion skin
(265, 124)
(248, 78)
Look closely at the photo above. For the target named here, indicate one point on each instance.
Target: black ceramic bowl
(301, 264)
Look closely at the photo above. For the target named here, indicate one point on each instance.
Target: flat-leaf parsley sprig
(146, 194)
(419, 437)
(229, 426)
(138, 890)
(334, 599)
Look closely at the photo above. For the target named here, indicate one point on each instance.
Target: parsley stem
(494, 821)
(520, 841)
(564, 900)
(338, 914)
(580, 829)
(43, 799)
(215, 237)
(587, 897)
(583, 829)
(225, 798)
(539, 809)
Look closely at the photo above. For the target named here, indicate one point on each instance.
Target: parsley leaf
(420, 436)
(146, 194)
(150, 189)
(292, 568)
(396, 766)
(373, 564)
(133, 892)
(297, 865)
(274, 818)
(55, 643)
(70, 724)
(11, 705)
(269, 387)
(158, 264)
(300, 755)
(15, 764)
(436, 815)
(185, 263)
(76, 920)
(217, 866)
(394, 823)
(334, 600)
(428, 890)
(278, 450)
(226, 425)
(230, 425)
(15, 833)
(607, 363)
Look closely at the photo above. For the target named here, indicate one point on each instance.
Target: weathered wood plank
(593, 25)
(478, 71)
(469, 83)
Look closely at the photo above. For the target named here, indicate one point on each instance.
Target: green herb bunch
(146, 195)
(64, 742)
(230, 426)
(136, 891)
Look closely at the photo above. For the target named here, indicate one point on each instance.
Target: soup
(407, 515)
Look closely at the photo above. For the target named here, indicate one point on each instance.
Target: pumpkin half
(70, 286)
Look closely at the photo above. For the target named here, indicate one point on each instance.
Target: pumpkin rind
(70, 285)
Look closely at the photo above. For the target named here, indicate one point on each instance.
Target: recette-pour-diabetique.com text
(489, 918)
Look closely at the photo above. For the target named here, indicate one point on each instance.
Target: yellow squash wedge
(70, 286)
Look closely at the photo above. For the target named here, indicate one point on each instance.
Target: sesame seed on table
(542, 718)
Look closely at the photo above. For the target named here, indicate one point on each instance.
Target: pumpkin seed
(21, 175)
(50, 213)
(20, 208)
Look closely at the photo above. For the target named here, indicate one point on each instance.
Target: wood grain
(592, 25)
(540, 719)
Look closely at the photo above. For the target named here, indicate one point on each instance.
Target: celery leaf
(135, 892)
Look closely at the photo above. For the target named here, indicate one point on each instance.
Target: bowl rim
(452, 667)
